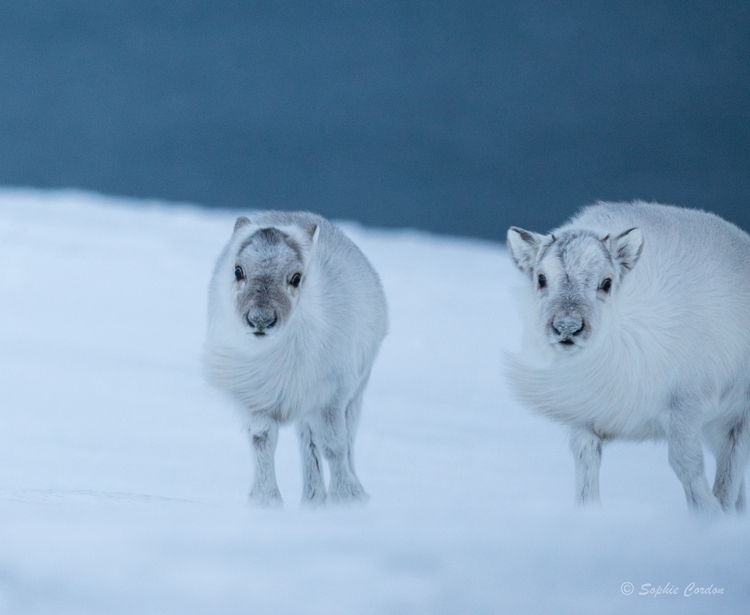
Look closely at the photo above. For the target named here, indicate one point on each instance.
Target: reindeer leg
(587, 455)
(731, 461)
(264, 434)
(686, 451)
(313, 488)
(331, 433)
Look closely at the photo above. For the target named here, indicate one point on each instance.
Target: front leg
(587, 456)
(313, 487)
(264, 434)
(330, 431)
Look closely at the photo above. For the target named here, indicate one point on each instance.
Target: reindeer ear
(313, 231)
(626, 249)
(523, 247)
(303, 238)
(241, 221)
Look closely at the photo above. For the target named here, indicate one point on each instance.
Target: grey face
(268, 271)
(574, 276)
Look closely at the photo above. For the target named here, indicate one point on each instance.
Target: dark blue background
(457, 116)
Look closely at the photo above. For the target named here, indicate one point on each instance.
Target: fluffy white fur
(312, 368)
(664, 353)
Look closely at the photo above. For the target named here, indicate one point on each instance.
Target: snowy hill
(123, 476)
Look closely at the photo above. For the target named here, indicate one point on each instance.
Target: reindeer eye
(542, 280)
(296, 279)
(606, 285)
(238, 273)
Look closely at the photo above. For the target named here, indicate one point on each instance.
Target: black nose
(260, 322)
(568, 326)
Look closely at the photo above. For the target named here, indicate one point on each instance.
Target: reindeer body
(296, 317)
(660, 351)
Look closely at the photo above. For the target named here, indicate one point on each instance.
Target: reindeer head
(268, 273)
(575, 275)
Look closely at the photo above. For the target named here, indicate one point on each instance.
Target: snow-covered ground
(124, 477)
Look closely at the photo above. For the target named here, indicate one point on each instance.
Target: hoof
(314, 499)
(348, 494)
(266, 500)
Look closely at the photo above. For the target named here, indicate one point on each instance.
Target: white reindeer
(640, 329)
(296, 317)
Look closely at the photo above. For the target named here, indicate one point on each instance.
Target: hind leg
(740, 506)
(587, 455)
(313, 487)
(731, 461)
(683, 430)
(352, 414)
